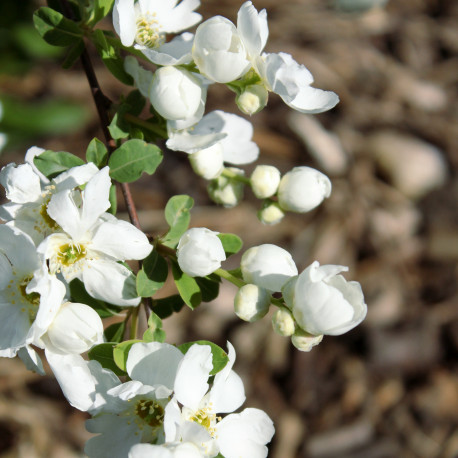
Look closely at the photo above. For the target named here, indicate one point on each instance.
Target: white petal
(110, 282)
(312, 100)
(154, 363)
(175, 52)
(21, 183)
(31, 153)
(6, 271)
(31, 359)
(192, 376)
(75, 176)
(124, 21)
(121, 240)
(181, 17)
(62, 209)
(19, 249)
(142, 78)
(253, 28)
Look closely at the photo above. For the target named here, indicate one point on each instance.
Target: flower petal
(124, 21)
(253, 28)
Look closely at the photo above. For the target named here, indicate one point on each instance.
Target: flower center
(70, 253)
(150, 412)
(206, 418)
(46, 218)
(148, 31)
(17, 295)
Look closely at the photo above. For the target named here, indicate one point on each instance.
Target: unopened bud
(283, 322)
(270, 213)
(251, 302)
(265, 180)
(304, 341)
(208, 162)
(225, 190)
(253, 99)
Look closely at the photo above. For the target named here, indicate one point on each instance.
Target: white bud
(302, 189)
(304, 341)
(218, 51)
(251, 302)
(270, 213)
(200, 252)
(175, 93)
(208, 162)
(253, 99)
(268, 266)
(325, 303)
(75, 329)
(225, 190)
(265, 180)
(283, 322)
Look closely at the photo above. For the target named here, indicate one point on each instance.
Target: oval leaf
(231, 243)
(152, 275)
(103, 353)
(177, 215)
(121, 351)
(187, 287)
(52, 163)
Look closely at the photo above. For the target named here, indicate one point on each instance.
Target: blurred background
(389, 388)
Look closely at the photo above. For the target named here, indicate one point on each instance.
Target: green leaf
(231, 243)
(100, 9)
(56, 29)
(177, 215)
(103, 353)
(152, 275)
(79, 294)
(111, 57)
(118, 127)
(131, 159)
(97, 153)
(187, 287)
(208, 288)
(136, 102)
(154, 333)
(52, 163)
(166, 306)
(121, 351)
(73, 54)
(220, 357)
(115, 332)
(113, 200)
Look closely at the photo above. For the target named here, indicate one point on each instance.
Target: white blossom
(325, 303)
(302, 189)
(268, 266)
(252, 99)
(304, 341)
(167, 450)
(283, 322)
(251, 302)
(264, 181)
(208, 163)
(200, 252)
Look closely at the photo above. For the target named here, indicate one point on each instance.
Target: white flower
(200, 252)
(176, 94)
(304, 341)
(237, 435)
(251, 302)
(233, 132)
(283, 322)
(253, 99)
(225, 190)
(208, 163)
(325, 303)
(268, 266)
(218, 50)
(29, 193)
(29, 296)
(75, 329)
(167, 450)
(94, 242)
(302, 189)
(264, 181)
(147, 22)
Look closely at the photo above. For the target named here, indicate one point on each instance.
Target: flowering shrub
(63, 251)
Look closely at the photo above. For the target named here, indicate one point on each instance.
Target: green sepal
(167, 306)
(187, 287)
(219, 356)
(52, 163)
(154, 333)
(121, 352)
(152, 275)
(104, 354)
(56, 29)
(178, 216)
(131, 159)
(232, 244)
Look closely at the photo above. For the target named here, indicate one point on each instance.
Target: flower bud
(265, 180)
(304, 341)
(268, 266)
(218, 50)
(325, 303)
(208, 162)
(270, 213)
(251, 302)
(283, 322)
(75, 329)
(175, 93)
(225, 190)
(302, 189)
(200, 252)
(253, 99)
